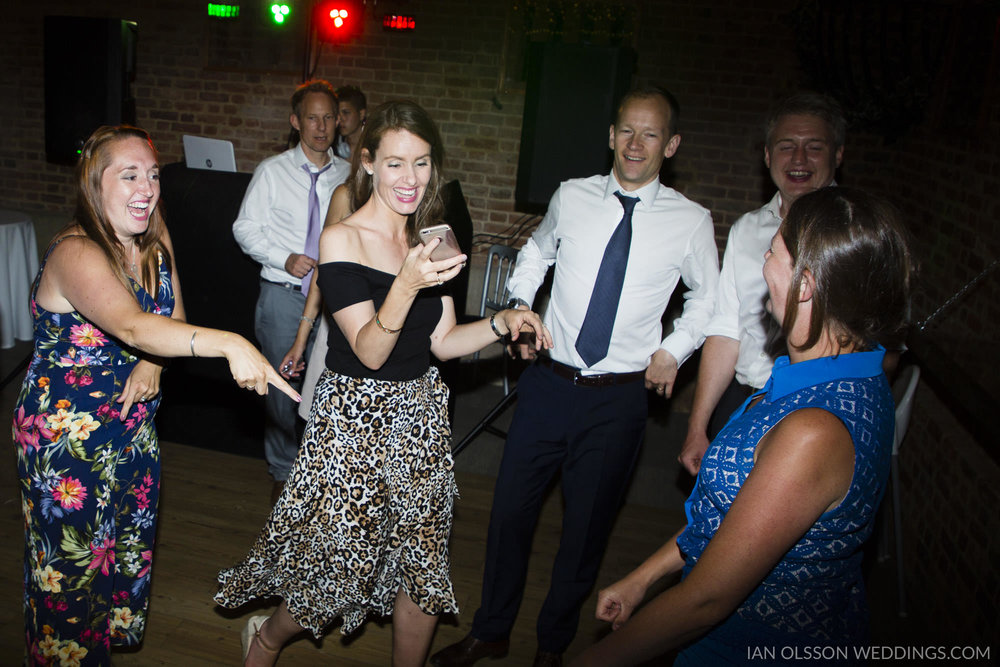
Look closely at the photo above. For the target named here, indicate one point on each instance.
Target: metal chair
(903, 391)
(499, 266)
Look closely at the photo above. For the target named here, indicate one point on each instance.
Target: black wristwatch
(514, 303)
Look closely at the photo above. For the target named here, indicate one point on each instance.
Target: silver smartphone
(448, 246)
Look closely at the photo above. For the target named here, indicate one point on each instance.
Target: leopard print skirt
(366, 510)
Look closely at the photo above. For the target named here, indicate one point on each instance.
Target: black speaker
(89, 71)
(570, 96)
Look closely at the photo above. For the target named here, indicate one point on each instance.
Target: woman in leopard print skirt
(362, 525)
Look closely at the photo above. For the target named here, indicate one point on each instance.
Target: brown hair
(314, 86)
(409, 116)
(857, 250)
(95, 158)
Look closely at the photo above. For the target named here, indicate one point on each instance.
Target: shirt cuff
(714, 329)
(276, 258)
(680, 345)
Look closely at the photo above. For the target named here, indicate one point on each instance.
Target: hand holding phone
(448, 246)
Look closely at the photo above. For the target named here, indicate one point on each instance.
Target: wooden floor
(213, 504)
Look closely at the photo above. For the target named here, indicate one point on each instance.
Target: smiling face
(130, 187)
(400, 171)
(317, 126)
(801, 156)
(778, 271)
(640, 141)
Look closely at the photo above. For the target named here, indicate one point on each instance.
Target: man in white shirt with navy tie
(278, 226)
(619, 242)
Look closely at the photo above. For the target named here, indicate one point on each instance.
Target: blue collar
(787, 377)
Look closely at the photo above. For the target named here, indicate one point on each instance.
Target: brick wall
(727, 61)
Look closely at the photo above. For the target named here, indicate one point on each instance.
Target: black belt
(597, 380)
(296, 288)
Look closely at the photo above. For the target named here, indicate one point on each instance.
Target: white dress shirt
(739, 306)
(672, 238)
(274, 216)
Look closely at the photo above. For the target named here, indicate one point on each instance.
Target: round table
(18, 266)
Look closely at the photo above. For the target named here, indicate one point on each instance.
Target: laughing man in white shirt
(804, 145)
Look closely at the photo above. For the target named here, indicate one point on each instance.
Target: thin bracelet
(195, 333)
(385, 328)
(493, 325)
(310, 320)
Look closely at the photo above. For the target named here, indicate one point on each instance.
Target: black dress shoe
(468, 651)
(546, 659)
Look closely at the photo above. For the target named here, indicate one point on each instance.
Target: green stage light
(279, 13)
(223, 11)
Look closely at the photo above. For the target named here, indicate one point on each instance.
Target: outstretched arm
(78, 277)
(804, 467)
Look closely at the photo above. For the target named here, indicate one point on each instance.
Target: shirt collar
(646, 194)
(301, 159)
(787, 377)
(774, 206)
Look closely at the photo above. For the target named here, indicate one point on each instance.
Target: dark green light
(223, 11)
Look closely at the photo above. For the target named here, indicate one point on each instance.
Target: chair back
(499, 265)
(902, 392)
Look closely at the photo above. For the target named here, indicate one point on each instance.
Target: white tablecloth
(18, 266)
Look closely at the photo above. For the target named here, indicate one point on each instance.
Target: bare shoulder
(806, 429)
(341, 242)
(340, 204)
(75, 250)
(812, 446)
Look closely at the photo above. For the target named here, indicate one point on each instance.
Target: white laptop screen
(205, 153)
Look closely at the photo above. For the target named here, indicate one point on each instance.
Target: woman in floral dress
(106, 307)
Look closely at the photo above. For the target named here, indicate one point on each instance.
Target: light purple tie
(314, 228)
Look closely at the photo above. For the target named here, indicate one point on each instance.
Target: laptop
(212, 154)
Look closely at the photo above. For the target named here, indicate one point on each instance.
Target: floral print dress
(90, 486)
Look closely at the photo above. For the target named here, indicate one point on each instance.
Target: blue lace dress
(814, 597)
(90, 486)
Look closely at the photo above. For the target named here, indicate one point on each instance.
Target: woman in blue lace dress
(107, 308)
(770, 558)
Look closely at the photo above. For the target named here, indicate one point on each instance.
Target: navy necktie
(595, 334)
(314, 228)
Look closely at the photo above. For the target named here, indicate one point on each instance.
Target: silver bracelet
(310, 320)
(493, 325)
(195, 333)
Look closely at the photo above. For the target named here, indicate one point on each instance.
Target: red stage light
(397, 22)
(337, 20)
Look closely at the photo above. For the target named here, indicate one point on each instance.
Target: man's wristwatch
(514, 303)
